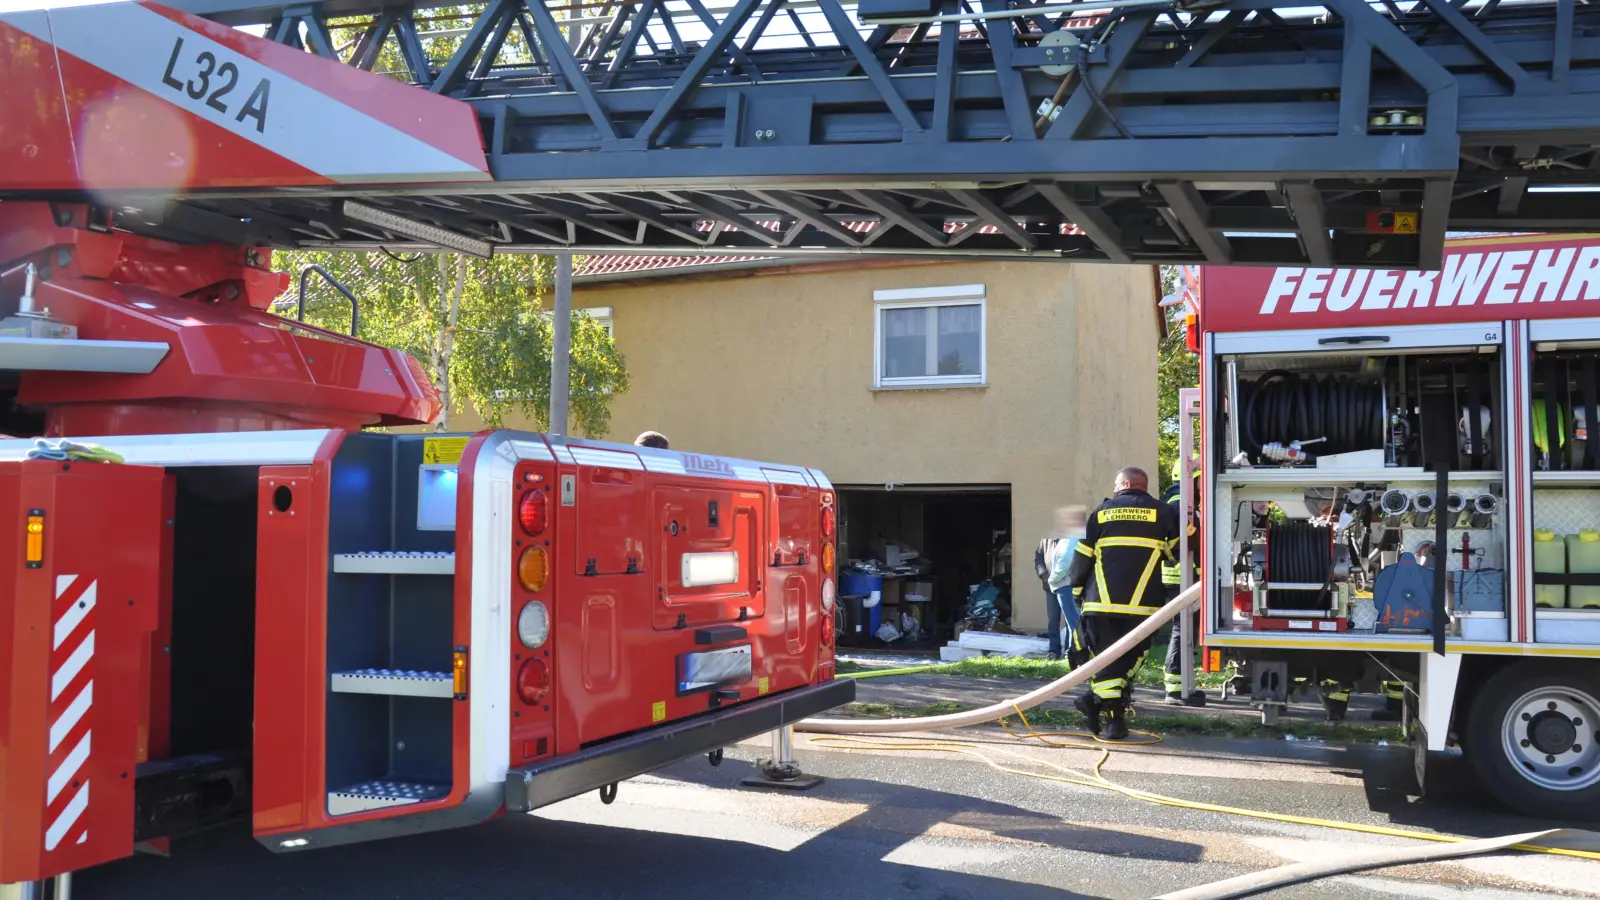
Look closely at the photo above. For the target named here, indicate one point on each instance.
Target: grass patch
(893, 711)
(846, 667)
(1157, 723)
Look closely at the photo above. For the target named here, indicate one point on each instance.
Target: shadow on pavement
(528, 856)
(898, 814)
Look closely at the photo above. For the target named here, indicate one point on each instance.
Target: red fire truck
(224, 598)
(1399, 487)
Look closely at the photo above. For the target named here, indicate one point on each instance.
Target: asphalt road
(904, 825)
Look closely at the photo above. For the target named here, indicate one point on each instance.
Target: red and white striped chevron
(71, 704)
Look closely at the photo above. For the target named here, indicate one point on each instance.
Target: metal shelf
(1575, 615)
(395, 563)
(372, 795)
(394, 683)
(1566, 479)
(1312, 476)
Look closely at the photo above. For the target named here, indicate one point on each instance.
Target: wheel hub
(1552, 733)
(1551, 737)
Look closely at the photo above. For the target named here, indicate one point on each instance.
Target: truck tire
(1533, 736)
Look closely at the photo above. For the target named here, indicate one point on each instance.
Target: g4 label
(204, 78)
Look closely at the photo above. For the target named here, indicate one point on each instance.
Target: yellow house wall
(780, 368)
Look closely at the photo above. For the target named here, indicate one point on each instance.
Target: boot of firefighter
(1335, 701)
(1088, 704)
(1117, 721)
(1393, 710)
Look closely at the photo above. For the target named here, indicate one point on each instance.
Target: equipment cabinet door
(711, 556)
(84, 550)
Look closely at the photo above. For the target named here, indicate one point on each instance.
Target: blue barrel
(865, 585)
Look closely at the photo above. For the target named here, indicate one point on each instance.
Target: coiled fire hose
(1283, 406)
(836, 735)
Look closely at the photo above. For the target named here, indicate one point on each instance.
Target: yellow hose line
(1095, 779)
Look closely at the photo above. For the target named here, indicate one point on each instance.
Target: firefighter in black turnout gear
(1127, 539)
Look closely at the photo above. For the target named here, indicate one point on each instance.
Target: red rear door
(83, 547)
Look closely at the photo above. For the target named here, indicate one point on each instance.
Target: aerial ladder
(152, 156)
(1351, 132)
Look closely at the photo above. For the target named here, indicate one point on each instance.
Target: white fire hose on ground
(1565, 842)
(1067, 682)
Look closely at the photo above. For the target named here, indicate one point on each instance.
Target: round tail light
(533, 681)
(827, 593)
(533, 569)
(828, 516)
(533, 625)
(828, 554)
(532, 512)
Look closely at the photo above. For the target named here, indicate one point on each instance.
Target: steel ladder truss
(1252, 131)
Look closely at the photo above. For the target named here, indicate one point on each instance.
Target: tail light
(828, 612)
(533, 625)
(533, 681)
(828, 554)
(532, 512)
(533, 569)
(829, 518)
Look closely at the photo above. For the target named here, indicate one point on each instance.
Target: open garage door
(923, 549)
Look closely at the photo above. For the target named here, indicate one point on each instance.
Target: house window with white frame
(930, 337)
(601, 314)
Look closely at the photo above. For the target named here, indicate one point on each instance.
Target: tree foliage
(1176, 368)
(441, 37)
(475, 325)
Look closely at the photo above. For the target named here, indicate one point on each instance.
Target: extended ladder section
(1246, 131)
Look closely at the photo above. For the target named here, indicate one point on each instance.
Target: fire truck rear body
(402, 645)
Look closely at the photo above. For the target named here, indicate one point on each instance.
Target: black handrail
(355, 305)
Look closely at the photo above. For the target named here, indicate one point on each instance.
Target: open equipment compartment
(1565, 377)
(1331, 470)
(391, 620)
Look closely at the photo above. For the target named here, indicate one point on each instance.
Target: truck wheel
(1533, 735)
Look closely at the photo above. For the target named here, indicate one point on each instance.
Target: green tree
(1176, 368)
(474, 324)
(442, 30)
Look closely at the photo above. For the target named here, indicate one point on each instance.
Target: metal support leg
(1186, 659)
(781, 771)
(561, 345)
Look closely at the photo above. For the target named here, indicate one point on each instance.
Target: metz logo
(1487, 277)
(707, 465)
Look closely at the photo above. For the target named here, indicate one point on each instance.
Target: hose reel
(1284, 409)
(1302, 565)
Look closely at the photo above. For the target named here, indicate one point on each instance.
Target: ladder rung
(394, 683)
(390, 562)
(371, 795)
